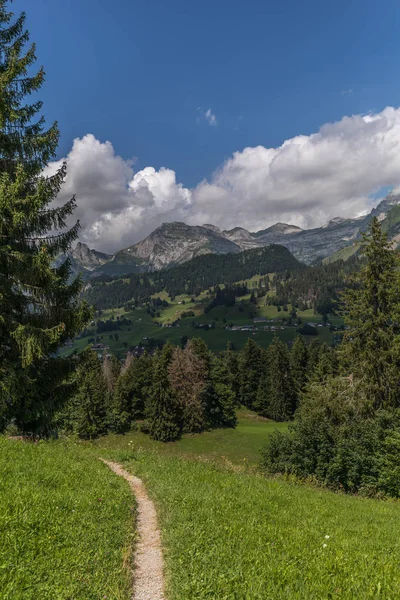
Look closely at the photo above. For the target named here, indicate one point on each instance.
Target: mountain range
(175, 243)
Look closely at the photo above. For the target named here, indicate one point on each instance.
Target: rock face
(174, 243)
(87, 258)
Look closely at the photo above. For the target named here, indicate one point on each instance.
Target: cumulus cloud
(115, 206)
(305, 181)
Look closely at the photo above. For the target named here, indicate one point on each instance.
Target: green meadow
(242, 313)
(66, 524)
(228, 532)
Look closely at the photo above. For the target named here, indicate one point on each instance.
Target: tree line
(192, 277)
(188, 389)
(174, 391)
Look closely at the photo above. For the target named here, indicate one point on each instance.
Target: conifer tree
(261, 404)
(250, 371)
(313, 357)
(370, 350)
(132, 392)
(282, 397)
(221, 396)
(298, 365)
(230, 360)
(39, 307)
(90, 410)
(165, 421)
(327, 365)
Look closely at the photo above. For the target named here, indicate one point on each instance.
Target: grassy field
(239, 447)
(230, 533)
(227, 531)
(242, 313)
(65, 522)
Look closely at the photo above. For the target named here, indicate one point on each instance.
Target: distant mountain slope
(173, 244)
(191, 277)
(168, 245)
(87, 258)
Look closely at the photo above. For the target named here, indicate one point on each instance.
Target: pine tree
(39, 307)
(165, 421)
(250, 371)
(298, 365)
(371, 311)
(282, 397)
(111, 371)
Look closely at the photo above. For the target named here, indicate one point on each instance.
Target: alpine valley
(174, 243)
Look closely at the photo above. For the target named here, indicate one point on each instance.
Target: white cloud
(115, 206)
(208, 116)
(348, 92)
(305, 181)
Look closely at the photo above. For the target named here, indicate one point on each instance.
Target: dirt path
(148, 574)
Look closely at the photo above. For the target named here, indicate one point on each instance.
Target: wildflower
(327, 537)
(324, 545)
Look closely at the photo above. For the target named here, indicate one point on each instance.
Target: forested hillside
(190, 278)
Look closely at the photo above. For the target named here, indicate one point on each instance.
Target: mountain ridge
(174, 243)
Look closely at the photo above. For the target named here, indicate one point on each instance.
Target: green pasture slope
(228, 532)
(66, 524)
(231, 534)
(242, 313)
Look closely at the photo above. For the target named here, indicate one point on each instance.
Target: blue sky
(135, 72)
(143, 73)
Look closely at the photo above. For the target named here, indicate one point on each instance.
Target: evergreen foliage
(371, 310)
(89, 409)
(39, 307)
(298, 365)
(282, 393)
(193, 277)
(165, 420)
(132, 391)
(250, 371)
(346, 431)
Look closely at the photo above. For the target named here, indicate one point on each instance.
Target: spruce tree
(261, 404)
(327, 365)
(221, 396)
(40, 309)
(313, 357)
(370, 350)
(250, 371)
(90, 410)
(165, 420)
(298, 365)
(132, 392)
(230, 360)
(282, 396)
